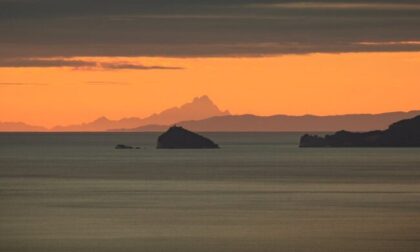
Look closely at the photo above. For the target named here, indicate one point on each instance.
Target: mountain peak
(202, 99)
(102, 119)
(201, 107)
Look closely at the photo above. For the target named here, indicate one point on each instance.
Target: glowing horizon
(321, 84)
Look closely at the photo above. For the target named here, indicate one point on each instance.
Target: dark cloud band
(78, 64)
(190, 28)
(128, 66)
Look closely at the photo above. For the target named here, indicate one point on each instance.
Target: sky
(64, 62)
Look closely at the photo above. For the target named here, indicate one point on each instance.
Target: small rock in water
(123, 146)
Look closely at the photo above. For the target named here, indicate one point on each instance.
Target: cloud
(99, 83)
(195, 28)
(128, 66)
(375, 43)
(21, 84)
(78, 64)
(24, 62)
(346, 5)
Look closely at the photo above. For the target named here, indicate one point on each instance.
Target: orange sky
(290, 84)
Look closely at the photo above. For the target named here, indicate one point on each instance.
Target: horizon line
(49, 129)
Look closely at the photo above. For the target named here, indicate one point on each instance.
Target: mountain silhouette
(199, 108)
(201, 114)
(100, 124)
(404, 133)
(308, 123)
(19, 126)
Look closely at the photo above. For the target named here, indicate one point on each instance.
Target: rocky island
(123, 146)
(404, 133)
(179, 138)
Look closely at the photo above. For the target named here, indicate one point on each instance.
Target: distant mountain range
(201, 114)
(19, 126)
(305, 123)
(199, 108)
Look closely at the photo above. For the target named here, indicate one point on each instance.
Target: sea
(259, 192)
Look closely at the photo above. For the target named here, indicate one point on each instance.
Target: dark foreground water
(75, 192)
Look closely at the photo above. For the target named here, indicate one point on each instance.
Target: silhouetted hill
(405, 133)
(200, 108)
(19, 126)
(179, 138)
(355, 122)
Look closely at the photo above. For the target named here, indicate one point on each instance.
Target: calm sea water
(259, 192)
